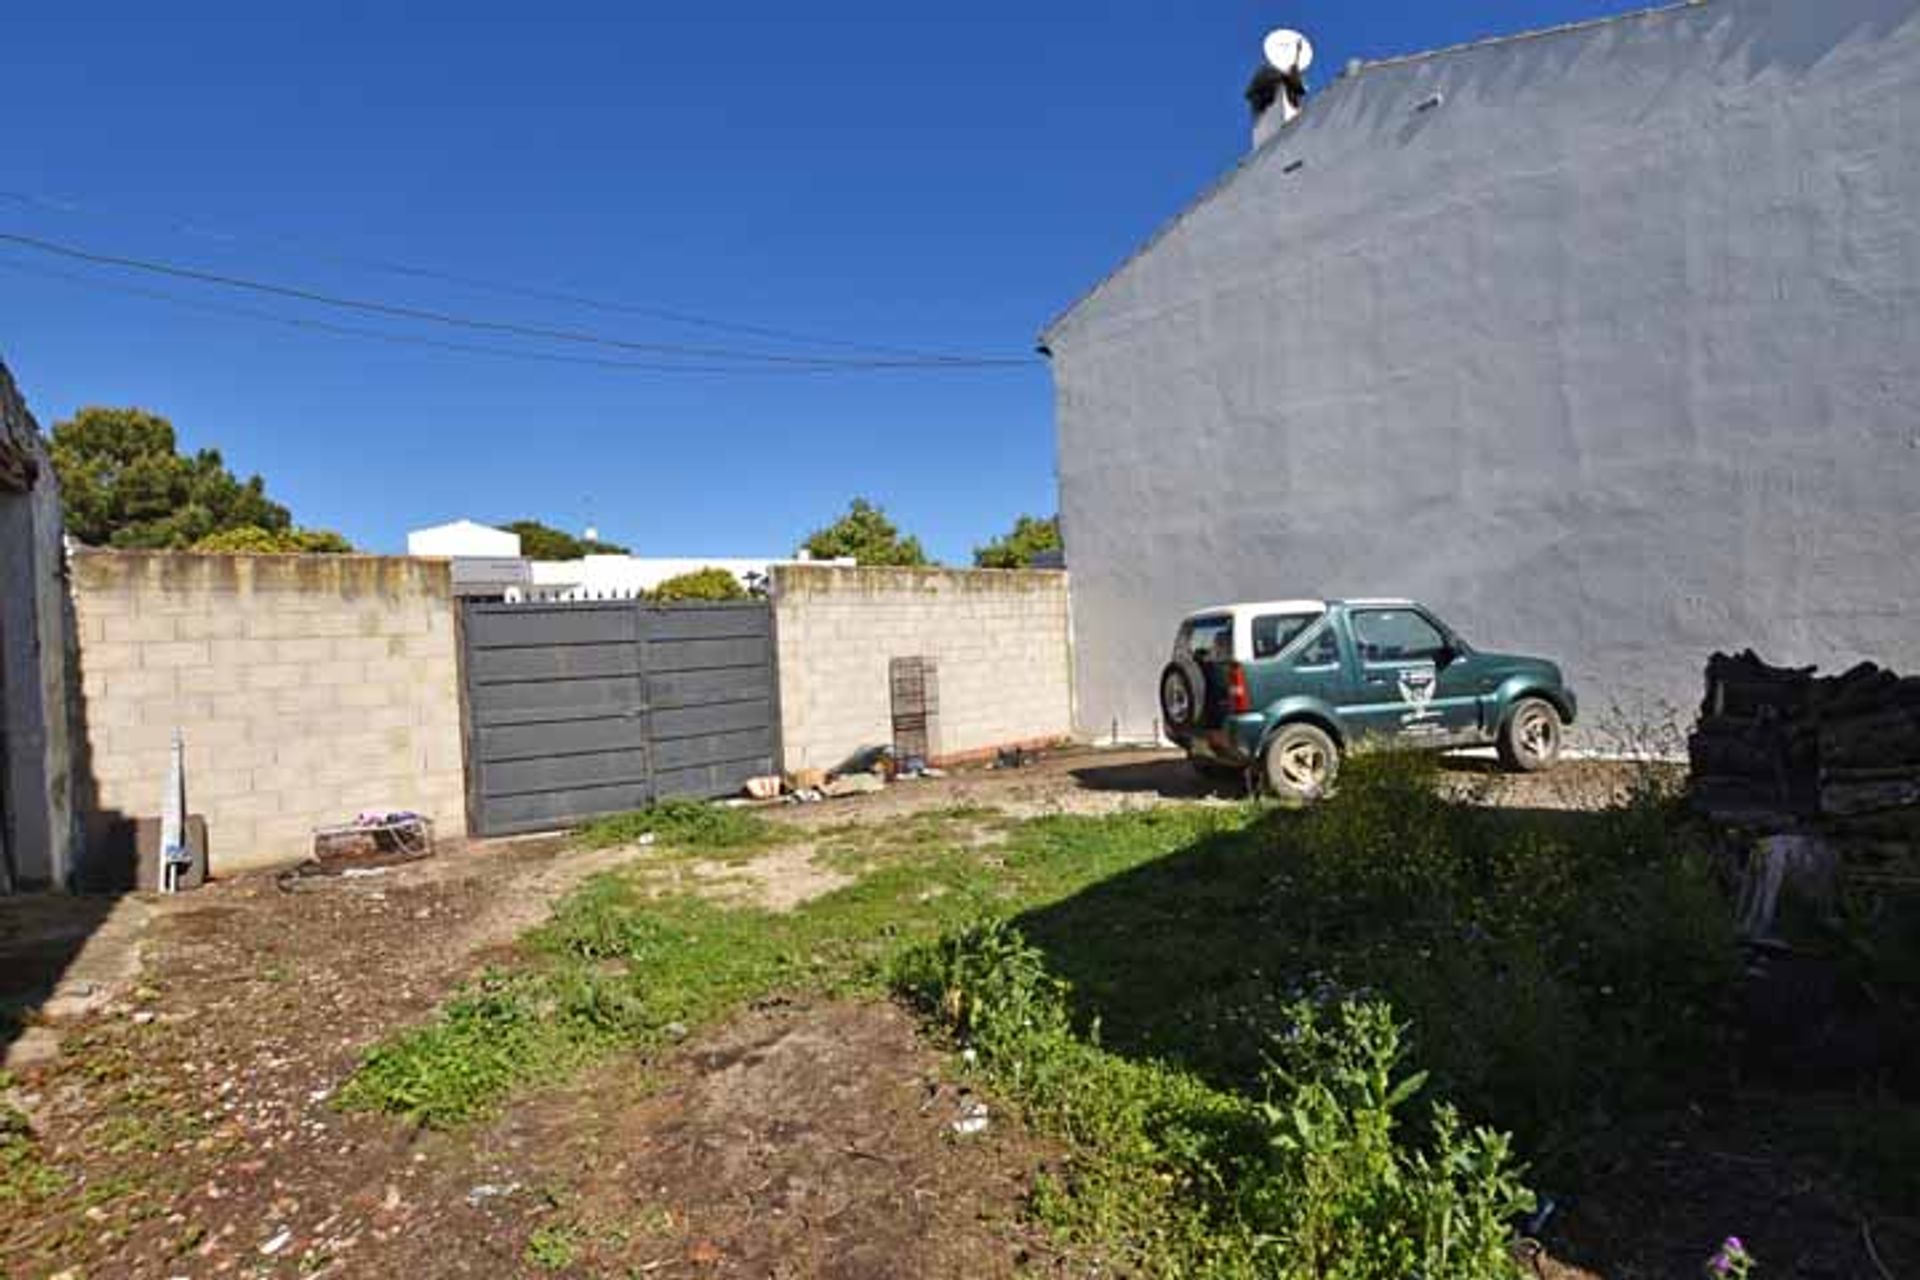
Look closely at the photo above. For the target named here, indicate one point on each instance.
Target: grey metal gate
(579, 709)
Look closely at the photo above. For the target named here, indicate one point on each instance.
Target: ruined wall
(1601, 341)
(308, 688)
(999, 637)
(37, 834)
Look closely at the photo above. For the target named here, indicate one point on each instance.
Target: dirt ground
(798, 1141)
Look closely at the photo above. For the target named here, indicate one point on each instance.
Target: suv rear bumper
(1236, 742)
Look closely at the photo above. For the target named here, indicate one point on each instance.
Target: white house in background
(464, 538)
(602, 577)
(487, 563)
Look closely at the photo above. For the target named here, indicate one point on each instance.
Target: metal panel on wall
(574, 710)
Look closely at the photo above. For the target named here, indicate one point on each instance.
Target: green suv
(1285, 687)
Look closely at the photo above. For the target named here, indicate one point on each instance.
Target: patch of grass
(26, 1179)
(1311, 1179)
(553, 1247)
(617, 968)
(1549, 972)
(684, 824)
(1556, 970)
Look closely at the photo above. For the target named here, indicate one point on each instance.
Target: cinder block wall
(1000, 639)
(308, 688)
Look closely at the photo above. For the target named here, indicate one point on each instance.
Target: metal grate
(916, 707)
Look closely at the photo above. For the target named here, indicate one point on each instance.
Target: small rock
(278, 1243)
(675, 1031)
(490, 1191)
(143, 1017)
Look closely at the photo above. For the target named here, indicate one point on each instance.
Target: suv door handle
(1379, 680)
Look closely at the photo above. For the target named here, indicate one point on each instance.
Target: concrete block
(284, 676)
(312, 650)
(334, 673)
(130, 628)
(141, 685)
(106, 656)
(211, 624)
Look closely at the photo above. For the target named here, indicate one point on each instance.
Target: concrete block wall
(308, 688)
(1000, 639)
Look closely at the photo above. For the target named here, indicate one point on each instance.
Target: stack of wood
(1783, 746)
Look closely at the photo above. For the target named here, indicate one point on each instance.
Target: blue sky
(861, 172)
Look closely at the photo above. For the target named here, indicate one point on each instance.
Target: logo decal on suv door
(1416, 690)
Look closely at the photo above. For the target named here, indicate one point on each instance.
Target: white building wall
(1605, 342)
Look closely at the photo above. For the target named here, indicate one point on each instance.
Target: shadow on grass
(1571, 977)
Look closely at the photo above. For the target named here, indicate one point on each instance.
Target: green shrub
(711, 583)
(1344, 1196)
(1557, 969)
(1313, 1183)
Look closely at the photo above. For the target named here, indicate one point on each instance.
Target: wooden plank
(700, 655)
(542, 811)
(561, 773)
(554, 662)
(714, 748)
(613, 695)
(513, 626)
(707, 622)
(674, 689)
(706, 782)
(693, 722)
(559, 738)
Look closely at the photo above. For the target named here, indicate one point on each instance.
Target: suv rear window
(1208, 639)
(1276, 631)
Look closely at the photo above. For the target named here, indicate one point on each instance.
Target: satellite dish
(1288, 52)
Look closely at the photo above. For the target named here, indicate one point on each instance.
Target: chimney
(1279, 88)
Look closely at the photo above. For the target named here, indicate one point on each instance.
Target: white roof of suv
(1264, 606)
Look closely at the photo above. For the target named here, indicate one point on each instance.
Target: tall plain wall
(999, 639)
(37, 830)
(308, 689)
(1605, 342)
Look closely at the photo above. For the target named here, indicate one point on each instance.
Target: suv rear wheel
(1530, 740)
(1183, 692)
(1300, 763)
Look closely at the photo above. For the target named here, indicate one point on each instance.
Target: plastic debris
(973, 1119)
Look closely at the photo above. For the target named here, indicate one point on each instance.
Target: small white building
(487, 563)
(619, 577)
(464, 539)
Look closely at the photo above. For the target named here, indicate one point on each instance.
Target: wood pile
(1782, 746)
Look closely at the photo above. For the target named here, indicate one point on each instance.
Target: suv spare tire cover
(1182, 714)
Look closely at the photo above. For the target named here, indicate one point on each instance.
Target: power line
(415, 271)
(454, 320)
(441, 344)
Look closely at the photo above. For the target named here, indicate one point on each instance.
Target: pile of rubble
(1780, 747)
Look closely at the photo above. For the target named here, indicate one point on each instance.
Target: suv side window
(1396, 635)
(1275, 631)
(1208, 639)
(1323, 650)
